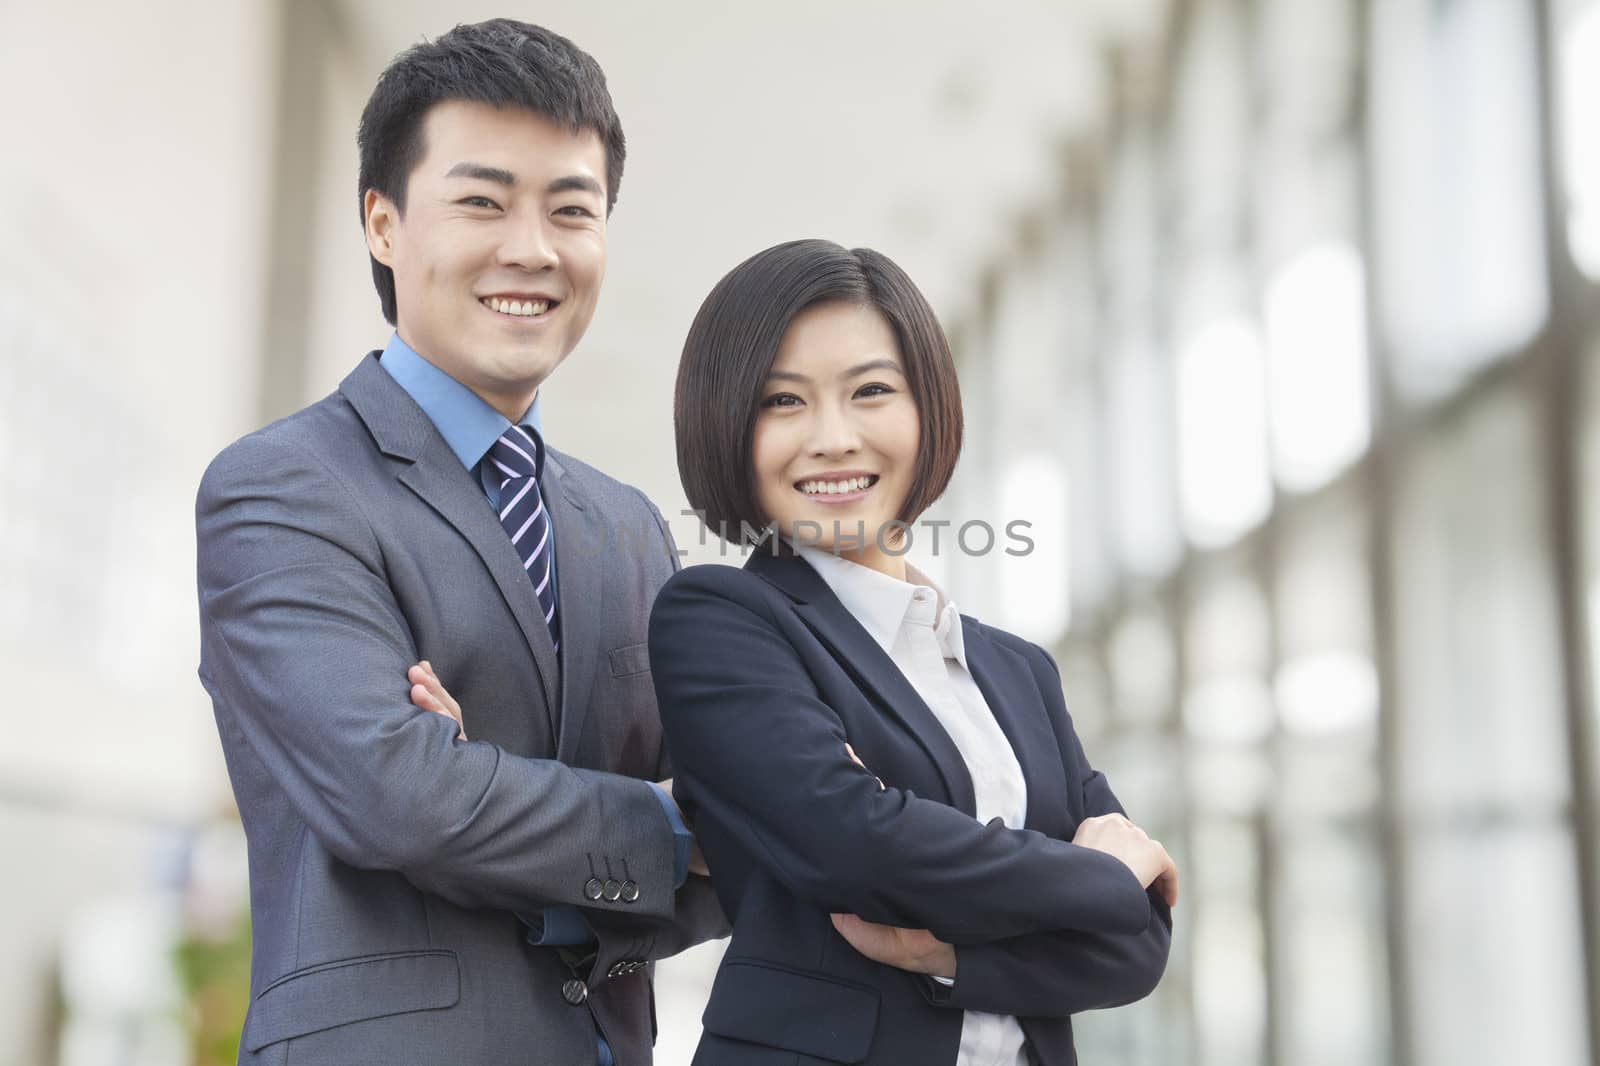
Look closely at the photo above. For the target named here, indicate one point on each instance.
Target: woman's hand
(429, 694)
(1118, 837)
(912, 950)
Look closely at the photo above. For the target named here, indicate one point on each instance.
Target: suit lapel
(580, 586)
(435, 474)
(868, 664)
(1007, 685)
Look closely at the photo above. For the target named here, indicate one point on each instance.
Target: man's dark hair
(734, 341)
(502, 63)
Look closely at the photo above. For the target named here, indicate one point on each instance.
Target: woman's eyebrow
(855, 371)
(873, 364)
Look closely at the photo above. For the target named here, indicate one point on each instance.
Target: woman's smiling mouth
(836, 489)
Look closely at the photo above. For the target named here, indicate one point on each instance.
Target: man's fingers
(848, 750)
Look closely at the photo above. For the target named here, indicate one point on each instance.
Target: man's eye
(479, 201)
(574, 211)
(782, 399)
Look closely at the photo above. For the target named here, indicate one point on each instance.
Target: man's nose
(527, 244)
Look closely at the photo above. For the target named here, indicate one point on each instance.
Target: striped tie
(518, 456)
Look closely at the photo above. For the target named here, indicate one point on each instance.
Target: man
(420, 896)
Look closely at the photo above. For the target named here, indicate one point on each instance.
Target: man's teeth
(521, 308)
(832, 488)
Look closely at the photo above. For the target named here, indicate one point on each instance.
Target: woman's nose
(834, 431)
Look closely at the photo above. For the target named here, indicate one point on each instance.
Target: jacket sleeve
(697, 913)
(1059, 973)
(763, 755)
(304, 652)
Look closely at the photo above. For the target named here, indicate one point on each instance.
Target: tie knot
(518, 453)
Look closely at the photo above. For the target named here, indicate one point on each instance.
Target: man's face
(499, 256)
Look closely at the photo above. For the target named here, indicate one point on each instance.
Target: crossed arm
(305, 650)
(1048, 974)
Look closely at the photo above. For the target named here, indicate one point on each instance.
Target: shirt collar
(880, 602)
(467, 424)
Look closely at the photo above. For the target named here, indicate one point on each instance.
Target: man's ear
(382, 217)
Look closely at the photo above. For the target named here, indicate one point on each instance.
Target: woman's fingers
(429, 694)
(1167, 881)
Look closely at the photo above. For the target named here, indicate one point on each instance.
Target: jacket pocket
(629, 660)
(812, 1014)
(351, 990)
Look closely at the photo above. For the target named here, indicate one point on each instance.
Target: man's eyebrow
(497, 175)
(575, 183)
(855, 371)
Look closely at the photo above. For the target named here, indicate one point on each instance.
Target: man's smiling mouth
(515, 308)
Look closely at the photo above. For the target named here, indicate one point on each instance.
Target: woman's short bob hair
(730, 351)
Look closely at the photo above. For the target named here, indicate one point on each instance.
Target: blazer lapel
(580, 583)
(867, 662)
(435, 474)
(1008, 687)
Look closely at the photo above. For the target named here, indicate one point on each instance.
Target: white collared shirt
(920, 629)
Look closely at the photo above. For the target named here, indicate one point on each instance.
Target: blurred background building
(1277, 320)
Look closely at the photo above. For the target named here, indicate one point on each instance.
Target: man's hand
(428, 693)
(912, 950)
(848, 750)
(1149, 861)
(697, 859)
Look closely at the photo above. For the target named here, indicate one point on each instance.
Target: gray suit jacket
(387, 858)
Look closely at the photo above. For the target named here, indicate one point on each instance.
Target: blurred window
(1328, 919)
(1137, 382)
(1143, 665)
(1455, 140)
(1334, 966)
(1577, 56)
(1484, 779)
(1229, 949)
(1317, 364)
(1139, 402)
(1590, 472)
(1227, 706)
(1225, 487)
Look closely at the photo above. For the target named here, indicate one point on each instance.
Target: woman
(920, 865)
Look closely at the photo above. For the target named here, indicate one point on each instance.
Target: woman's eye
(875, 389)
(782, 399)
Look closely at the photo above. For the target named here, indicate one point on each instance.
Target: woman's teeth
(834, 488)
(520, 308)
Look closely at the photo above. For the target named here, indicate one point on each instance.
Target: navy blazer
(762, 676)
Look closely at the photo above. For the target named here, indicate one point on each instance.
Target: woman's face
(837, 434)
